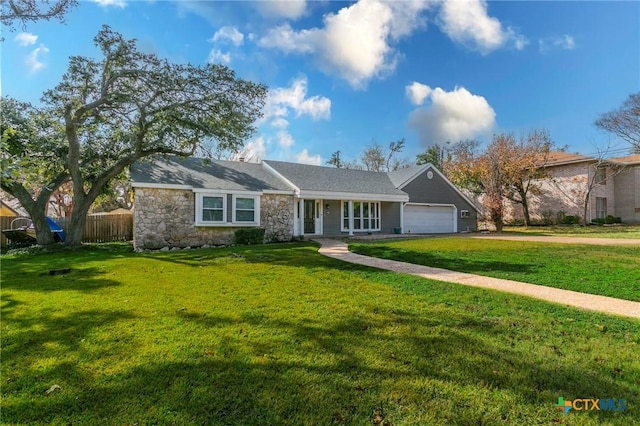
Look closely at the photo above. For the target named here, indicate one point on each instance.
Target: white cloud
(467, 23)
(228, 33)
(285, 140)
(115, 3)
(519, 41)
(564, 42)
(289, 9)
(283, 99)
(208, 10)
(356, 42)
(417, 92)
(216, 56)
(452, 116)
(26, 39)
(280, 123)
(305, 158)
(288, 40)
(253, 152)
(293, 100)
(33, 61)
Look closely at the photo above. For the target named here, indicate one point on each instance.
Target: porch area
(346, 217)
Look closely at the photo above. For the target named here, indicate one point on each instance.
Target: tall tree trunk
(37, 208)
(496, 218)
(585, 206)
(525, 212)
(585, 211)
(75, 232)
(38, 215)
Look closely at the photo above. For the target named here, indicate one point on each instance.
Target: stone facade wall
(277, 217)
(166, 218)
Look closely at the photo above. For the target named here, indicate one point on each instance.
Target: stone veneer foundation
(165, 218)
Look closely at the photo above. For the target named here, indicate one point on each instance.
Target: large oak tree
(624, 121)
(509, 168)
(32, 151)
(23, 11)
(111, 112)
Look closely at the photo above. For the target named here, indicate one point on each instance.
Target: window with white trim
(213, 209)
(366, 216)
(244, 209)
(464, 213)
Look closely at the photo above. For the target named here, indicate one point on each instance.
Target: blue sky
(345, 74)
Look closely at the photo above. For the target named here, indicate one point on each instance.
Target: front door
(309, 216)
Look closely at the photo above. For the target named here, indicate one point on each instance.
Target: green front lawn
(282, 335)
(605, 270)
(592, 231)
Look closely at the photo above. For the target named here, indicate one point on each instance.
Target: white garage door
(428, 219)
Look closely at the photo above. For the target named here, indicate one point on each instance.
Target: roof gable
(401, 177)
(404, 176)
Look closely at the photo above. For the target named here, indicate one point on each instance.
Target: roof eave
(360, 196)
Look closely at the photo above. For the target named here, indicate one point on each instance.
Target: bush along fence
(98, 229)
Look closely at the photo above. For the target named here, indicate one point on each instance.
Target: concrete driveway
(563, 240)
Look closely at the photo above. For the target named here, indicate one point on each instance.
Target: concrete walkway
(338, 250)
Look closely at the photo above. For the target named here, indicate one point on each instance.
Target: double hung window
(244, 209)
(223, 209)
(213, 209)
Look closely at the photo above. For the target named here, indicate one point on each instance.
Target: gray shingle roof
(400, 176)
(206, 173)
(328, 179)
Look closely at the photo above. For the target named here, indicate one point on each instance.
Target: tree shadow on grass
(78, 279)
(345, 372)
(32, 271)
(62, 333)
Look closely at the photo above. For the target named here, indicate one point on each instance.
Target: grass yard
(604, 270)
(592, 231)
(282, 335)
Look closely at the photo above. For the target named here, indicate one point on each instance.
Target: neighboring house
(193, 202)
(615, 189)
(5, 210)
(627, 188)
(10, 206)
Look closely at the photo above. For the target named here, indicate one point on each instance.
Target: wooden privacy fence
(97, 229)
(5, 223)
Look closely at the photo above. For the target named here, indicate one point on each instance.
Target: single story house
(182, 202)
